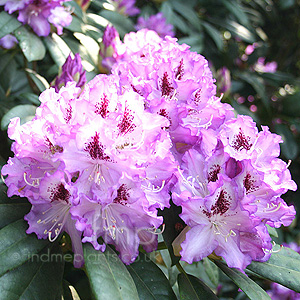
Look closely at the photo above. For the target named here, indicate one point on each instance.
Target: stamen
(35, 183)
(272, 208)
(154, 230)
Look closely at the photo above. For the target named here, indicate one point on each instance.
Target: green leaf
(282, 267)
(291, 105)
(211, 270)
(272, 231)
(31, 45)
(11, 210)
(24, 111)
(58, 49)
(76, 25)
(75, 8)
(289, 146)
(235, 9)
(108, 276)
(150, 281)
(187, 12)
(122, 24)
(17, 246)
(8, 24)
(258, 85)
(39, 278)
(192, 288)
(33, 98)
(248, 286)
(215, 35)
(41, 83)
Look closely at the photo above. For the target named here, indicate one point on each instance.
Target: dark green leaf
(8, 23)
(33, 98)
(211, 270)
(235, 9)
(282, 267)
(122, 24)
(272, 231)
(192, 288)
(41, 83)
(73, 6)
(108, 276)
(248, 286)
(187, 12)
(31, 45)
(17, 246)
(11, 210)
(58, 49)
(39, 278)
(24, 111)
(76, 25)
(291, 105)
(214, 34)
(258, 85)
(289, 146)
(150, 281)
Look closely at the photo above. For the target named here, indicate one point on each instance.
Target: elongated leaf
(211, 270)
(282, 267)
(41, 83)
(8, 24)
(214, 34)
(187, 12)
(108, 276)
(24, 111)
(39, 278)
(150, 281)
(248, 286)
(192, 288)
(237, 11)
(17, 246)
(58, 49)
(31, 45)
(291, 105)
(11, 210)
(258, 86)
(289, 146)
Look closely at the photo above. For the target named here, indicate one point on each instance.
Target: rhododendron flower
(227, 197)
(8, 41)
(125, 7)
(71, 71)
(156, 23)
(40, 14)
(93, 164)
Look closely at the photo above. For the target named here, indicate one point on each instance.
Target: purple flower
(223, 80)
(39, 14)
(8, 41)
(71, 71)
(280, 292)
(156, 23)
(261, 66)
(13, 5)
(96, 165)
(111, 49)
(126, 7)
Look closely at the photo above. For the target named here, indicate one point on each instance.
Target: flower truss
(40, 14)
(98, 161)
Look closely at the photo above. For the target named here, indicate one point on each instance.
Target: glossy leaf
(30, 44)
(248, 286)
(8, 23)
(108, 276)
(40, 82)
(150, 281)
(58, 49)
(214, 34)
(13, 209)
(39, 278)
(24, 111)
(289, 146)
(282, 267)
(17, 246)
(192, 288)
(211, 270)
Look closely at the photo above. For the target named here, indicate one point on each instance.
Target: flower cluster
(40, 14)
(125, 7)
(98, 163)
(157, 23)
